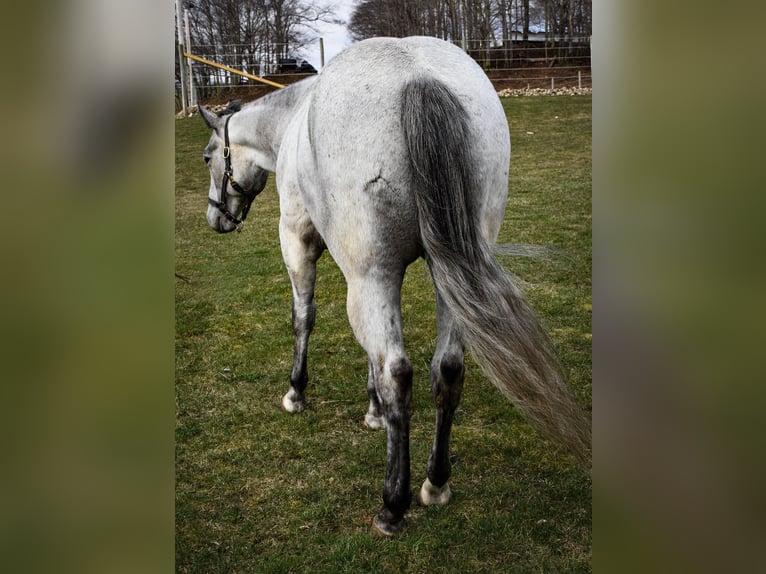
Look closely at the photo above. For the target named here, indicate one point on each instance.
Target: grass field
(258, 490)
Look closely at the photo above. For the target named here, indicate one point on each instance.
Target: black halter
(228, 178)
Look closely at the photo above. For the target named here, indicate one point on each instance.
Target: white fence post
(180, 50)
(192, 93)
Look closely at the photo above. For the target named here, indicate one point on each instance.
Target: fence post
(181, 66)
(192, 93)
(579, 79)
(552, 84)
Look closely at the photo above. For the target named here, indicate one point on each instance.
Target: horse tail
(499, 327)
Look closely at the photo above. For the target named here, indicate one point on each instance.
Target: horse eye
(206, 158)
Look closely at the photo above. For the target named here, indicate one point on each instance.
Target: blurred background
(87, 305)
(87, 289)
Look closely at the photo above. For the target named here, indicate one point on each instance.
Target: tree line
(483, 21)
(254, 35)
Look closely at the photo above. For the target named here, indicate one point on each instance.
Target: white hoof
(291, 405)
(433, 495)
(373, 422)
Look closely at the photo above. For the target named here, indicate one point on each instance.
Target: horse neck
(264, 122)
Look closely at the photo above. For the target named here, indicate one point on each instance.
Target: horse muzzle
(219, 223)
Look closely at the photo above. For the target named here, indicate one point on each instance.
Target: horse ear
(232, 107)
(211, 119)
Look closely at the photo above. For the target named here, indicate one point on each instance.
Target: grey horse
(398, 149)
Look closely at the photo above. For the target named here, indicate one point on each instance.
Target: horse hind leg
(447, 375)
(375, 316)
(395, 384)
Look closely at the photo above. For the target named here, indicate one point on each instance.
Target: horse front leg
(374, 418)
(304, 314)
(300, 251)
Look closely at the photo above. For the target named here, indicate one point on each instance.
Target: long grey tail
(499, 327)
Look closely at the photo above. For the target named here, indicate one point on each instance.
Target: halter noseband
(228, 178)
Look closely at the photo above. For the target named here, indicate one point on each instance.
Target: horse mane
(286, 97)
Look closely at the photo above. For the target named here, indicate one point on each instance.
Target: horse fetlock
(293, 402)
(430, 495)
(374, 422)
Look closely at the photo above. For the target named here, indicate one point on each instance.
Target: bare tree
(397, 18)
(253, 34)
(483, 21)
(525, 31)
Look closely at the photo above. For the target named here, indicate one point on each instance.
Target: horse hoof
(430, 495)
(387, 529)
(373, 422)
(291, 405)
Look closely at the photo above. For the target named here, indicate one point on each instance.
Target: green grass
(258, 490)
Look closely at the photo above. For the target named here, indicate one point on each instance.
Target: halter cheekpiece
(228, 178)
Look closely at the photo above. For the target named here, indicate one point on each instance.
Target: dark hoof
(384, 528)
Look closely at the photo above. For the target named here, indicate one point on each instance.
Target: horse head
(235, 177)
